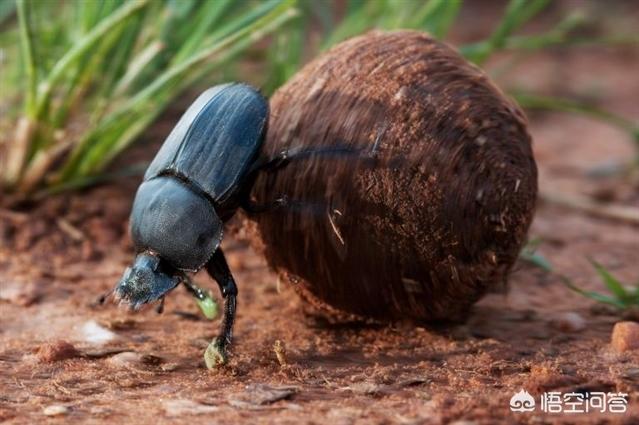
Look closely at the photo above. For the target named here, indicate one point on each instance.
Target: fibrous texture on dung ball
(431, 206)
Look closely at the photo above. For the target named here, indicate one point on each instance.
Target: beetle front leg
(218, 269)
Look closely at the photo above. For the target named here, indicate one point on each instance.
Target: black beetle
(201, 175)
(196, 182)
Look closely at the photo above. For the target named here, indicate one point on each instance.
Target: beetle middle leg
(218, 269)
(284, 203)
(295, 154)
(255, 208)
(287, 156)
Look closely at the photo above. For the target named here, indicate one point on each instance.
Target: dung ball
(417, 186)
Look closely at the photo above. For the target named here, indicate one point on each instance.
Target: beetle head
(145, 281)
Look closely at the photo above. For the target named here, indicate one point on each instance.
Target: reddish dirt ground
(58, 256)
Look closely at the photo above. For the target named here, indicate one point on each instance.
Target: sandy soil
(58, 256)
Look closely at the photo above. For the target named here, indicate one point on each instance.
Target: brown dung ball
(429, 205)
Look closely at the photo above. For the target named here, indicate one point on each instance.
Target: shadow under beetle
(201, 175)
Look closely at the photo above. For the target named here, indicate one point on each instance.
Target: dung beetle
(201, 175)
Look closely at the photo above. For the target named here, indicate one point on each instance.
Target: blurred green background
(81, 80)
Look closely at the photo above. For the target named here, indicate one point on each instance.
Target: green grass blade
(120, 54)
(323, 11)
(26, 44)
(437, 16)
(605, 299)
(240, 23)
(635, 294)
(360, 16)
(17, 152)
(592, 295)
(529, 254)
(280, 14)
(537, 260)
(447, 17)
(207, 19)
(621, 299)
(79, 183)
(614, 286)
(425, 13)
(558, 36)
(285, 55)
(518, 12)
(81, 47)
(532, 101)
(137, 66)
(98, 158)
(7, 8)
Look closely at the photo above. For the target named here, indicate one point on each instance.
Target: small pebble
(631, 374)
(55, 410)
(365, 388)
(181, 407)
(18, 293)
(119, 324)
(569, 322)
(56, 351)
(625, 336)
(128, 360)
(169, 367)
(94, 333)
(100, 411)
(261, 395)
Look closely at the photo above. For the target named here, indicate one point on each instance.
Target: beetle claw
(102, 298)
(215, 354)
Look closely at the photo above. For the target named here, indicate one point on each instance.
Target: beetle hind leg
(218, 269)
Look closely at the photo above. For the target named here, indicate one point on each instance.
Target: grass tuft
(624, 298)
(93, 75)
